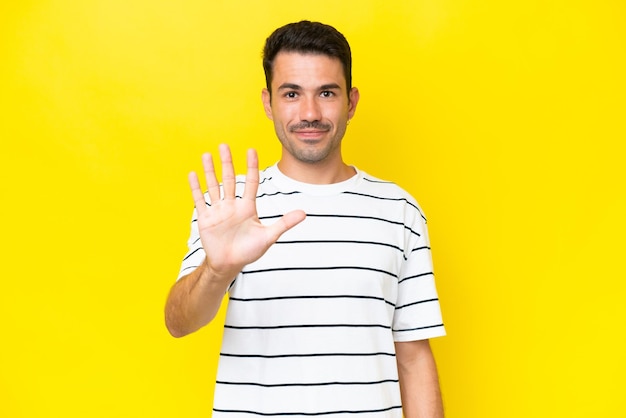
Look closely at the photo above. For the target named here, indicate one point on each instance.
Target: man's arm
(231, 235)
(419, 381)
(193, 301)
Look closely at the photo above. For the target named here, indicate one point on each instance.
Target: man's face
(309, 106)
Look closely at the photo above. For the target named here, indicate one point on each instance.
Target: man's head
(307, 38)
(310, 99)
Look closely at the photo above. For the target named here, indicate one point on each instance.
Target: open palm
(231, 233)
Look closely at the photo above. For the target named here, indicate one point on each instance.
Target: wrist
(221, 278)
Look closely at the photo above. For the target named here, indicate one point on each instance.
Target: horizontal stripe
(318, 268)
(192, 253)
(189, 268)
(308, 414)
(329, 241)
(417, 303)
(418, 328)
(416, 276)
(309, 326)
(420, 248)
(277, 194)
(279, 385)
(271, 298)
(275, 356)
(378, 181)
(401, 199)
(383, 244)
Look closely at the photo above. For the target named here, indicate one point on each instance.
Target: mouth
(310, 133)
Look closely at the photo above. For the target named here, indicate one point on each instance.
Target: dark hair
(308, 38)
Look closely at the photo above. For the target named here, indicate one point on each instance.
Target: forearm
(194, 300)
(419, 381)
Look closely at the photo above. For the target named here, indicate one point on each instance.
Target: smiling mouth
(309, 132)
(309, 135)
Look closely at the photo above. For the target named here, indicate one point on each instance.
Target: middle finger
(228, 172)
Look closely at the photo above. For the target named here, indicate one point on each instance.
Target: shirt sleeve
(417, 313)
(195, 253)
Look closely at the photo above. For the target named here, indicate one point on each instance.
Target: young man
(332, 298)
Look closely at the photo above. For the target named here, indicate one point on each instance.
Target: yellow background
(506, 119)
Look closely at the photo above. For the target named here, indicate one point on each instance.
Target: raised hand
(231, 233)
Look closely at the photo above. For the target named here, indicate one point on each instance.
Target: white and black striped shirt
(310, 327)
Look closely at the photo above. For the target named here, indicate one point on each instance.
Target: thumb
(285, 223)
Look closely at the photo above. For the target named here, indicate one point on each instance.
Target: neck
(323, 172)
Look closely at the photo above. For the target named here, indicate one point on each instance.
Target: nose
(310, 110)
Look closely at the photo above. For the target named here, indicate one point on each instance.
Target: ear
(267, 103)
(353, 96)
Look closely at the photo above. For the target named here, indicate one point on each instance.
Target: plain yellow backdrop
(506, 120)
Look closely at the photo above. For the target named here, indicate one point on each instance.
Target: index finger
(252, 175)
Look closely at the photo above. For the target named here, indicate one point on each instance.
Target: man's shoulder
(385, 187)
(390, 191)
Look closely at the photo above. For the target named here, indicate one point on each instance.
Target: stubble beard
(313, 154)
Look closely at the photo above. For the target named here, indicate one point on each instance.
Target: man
(332, 298)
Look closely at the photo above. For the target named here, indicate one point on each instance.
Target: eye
(327, 93)
(291, 95)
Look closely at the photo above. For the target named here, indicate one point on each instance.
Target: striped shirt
(310, 327)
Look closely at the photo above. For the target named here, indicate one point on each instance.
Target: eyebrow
(291, 86)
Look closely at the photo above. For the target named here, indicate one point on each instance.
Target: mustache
(310, 125)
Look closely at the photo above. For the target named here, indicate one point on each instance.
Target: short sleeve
(195, 253)
(417, 313)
